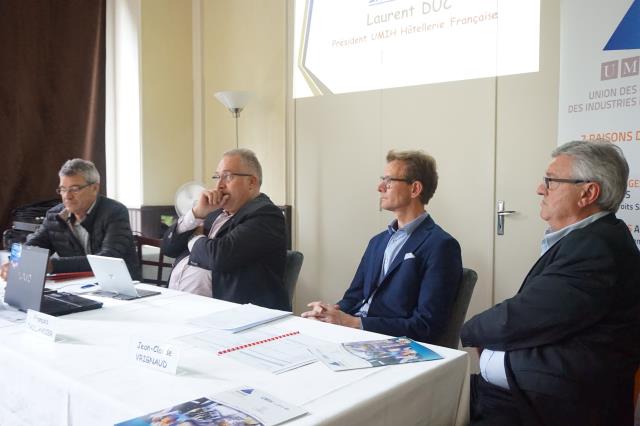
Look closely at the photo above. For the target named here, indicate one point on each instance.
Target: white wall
(167, 99)
(242, 46)
(527, 111)
(245, 48)
(339, 141)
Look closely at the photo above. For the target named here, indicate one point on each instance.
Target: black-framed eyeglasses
(386, 180)
(547, 181)
(72, 189)
(227, 176)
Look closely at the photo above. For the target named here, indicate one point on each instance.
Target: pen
(88, 285)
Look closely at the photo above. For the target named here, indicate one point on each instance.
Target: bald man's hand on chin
(210, 200)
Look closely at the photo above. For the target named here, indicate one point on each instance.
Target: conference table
(87, 377)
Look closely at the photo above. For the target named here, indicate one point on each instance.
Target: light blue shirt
(492, 362)
(551, 237)
(398, 238)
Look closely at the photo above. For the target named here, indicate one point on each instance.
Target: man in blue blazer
(564, 349)
(410, 273)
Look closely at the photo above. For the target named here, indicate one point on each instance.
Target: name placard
(152, 354)
(42, 324)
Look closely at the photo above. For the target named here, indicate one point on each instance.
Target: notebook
(239, 318)
(114, 278)
(268, 348)
(25, 285)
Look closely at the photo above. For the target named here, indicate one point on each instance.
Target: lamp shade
(233, 100)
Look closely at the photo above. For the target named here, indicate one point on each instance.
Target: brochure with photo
(373, 353)
(238, 407)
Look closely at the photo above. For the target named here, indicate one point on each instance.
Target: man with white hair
(564, 349)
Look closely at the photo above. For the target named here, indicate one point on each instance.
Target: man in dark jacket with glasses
(84, 223)
(232, 244)
(564, 349)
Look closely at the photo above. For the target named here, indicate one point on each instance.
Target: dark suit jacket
(414, 299)
(572, 332)
(109, 235)
(246, 257)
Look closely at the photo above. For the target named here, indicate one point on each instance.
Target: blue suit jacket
(414, 298)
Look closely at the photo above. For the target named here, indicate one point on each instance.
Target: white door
(491, 138)
(526, 130)
(341, 144)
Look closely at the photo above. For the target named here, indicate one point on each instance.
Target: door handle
(501, 214)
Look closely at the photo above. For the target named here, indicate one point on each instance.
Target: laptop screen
(25, 281)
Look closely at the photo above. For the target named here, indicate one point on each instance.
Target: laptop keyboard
(67, 299)
(53, 305)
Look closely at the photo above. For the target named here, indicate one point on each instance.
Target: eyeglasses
(547, 181)
(386, 180)
(72, 189)
(227, 176)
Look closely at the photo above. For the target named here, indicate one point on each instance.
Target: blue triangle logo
(247, 391)
(627, 35)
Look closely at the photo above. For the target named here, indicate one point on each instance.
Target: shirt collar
(409, 227)
(552, 237)
(71, 218)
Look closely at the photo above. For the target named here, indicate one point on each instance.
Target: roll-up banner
(600, 84)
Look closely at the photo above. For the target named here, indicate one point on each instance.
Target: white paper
(264, 407)
(79, 288)
(276, 352)
(43, 325)
(10, 315)
(153, 354)
(336, 358)
(239, 318)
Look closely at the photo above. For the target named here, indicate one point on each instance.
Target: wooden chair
(160, 264)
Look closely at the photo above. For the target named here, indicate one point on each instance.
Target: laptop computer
(25, 285)
(114, 278)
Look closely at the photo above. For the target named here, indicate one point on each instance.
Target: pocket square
(409, 256)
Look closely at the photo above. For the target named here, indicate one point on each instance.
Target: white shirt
(492, 362)
(189, 278)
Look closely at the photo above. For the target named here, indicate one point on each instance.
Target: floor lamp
(235, 101)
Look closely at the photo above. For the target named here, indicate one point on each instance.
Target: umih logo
(625, 37)
(625, 67)
(627, 34)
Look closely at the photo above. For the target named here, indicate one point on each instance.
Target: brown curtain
(52, 95)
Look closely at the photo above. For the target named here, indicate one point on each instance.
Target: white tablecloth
(86, 378)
